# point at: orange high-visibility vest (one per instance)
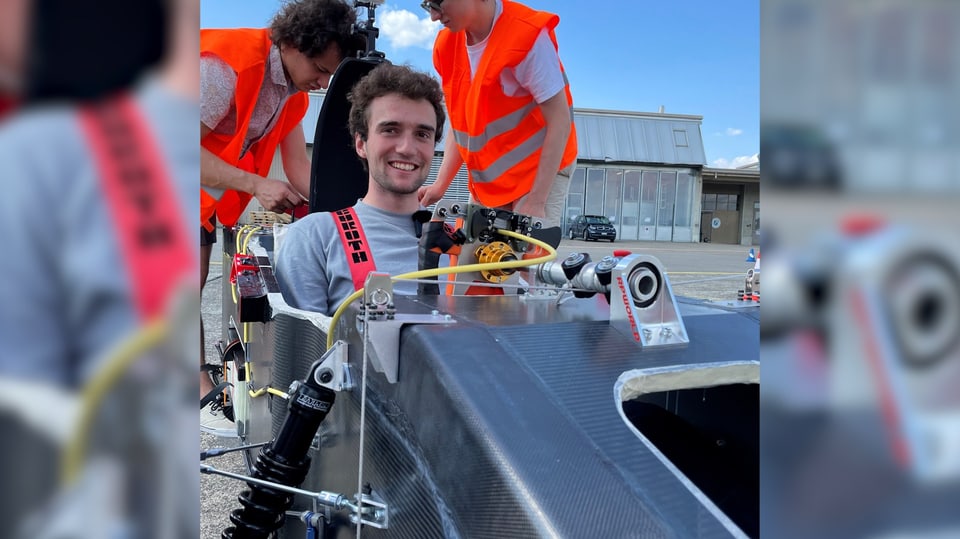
(245, 50)
(499, 137)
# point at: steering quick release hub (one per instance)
(495, 252)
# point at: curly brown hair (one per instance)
(314, 25)
(387, 79)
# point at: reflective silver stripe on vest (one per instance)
(510, 159)
(212, 191)
(494, 129)
(501, 125)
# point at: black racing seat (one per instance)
(337, 177)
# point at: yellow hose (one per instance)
(93, 392)
(551, 254)
(263, 390)
(242, 249)
(126, 353)
(239, 234)
(247, 240)
(277, 392)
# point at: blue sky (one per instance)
(697, 57)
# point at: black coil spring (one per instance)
(264, 508)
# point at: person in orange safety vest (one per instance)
(253, 96)
(509, 103)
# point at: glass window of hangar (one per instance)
(643, 204)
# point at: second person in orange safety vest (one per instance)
(509, 103)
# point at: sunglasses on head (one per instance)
(432, 6)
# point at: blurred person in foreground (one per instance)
(509, 104)
(253, 96)
(92, 371)
(396, 119)
(13, 41)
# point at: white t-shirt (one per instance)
(538, 74)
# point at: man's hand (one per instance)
(276, 195)
(528, 206)
(429, 194)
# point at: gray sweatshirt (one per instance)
(311, 263)
(67, 296)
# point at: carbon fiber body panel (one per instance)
(504, 424)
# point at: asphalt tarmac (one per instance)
(712, 272)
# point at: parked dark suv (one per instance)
(592, 227)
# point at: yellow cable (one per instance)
(277, 392)
(551, 255)
(266, 389)
(233, 289)
(249, 371)
(239, 234)
(338, 313)
(248, 238)
(128, 351)
(250, 230)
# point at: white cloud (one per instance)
(404, 29)
(732, 132)
(736, 161)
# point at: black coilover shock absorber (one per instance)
(284, 460)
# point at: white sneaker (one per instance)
(214, 422)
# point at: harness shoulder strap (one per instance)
(355, 245)
(141, 199)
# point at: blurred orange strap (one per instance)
(142, 201)
(7, 104)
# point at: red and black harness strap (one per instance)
(140, 196)
(355, 245)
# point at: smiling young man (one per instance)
(396, 119)
(253, 96)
